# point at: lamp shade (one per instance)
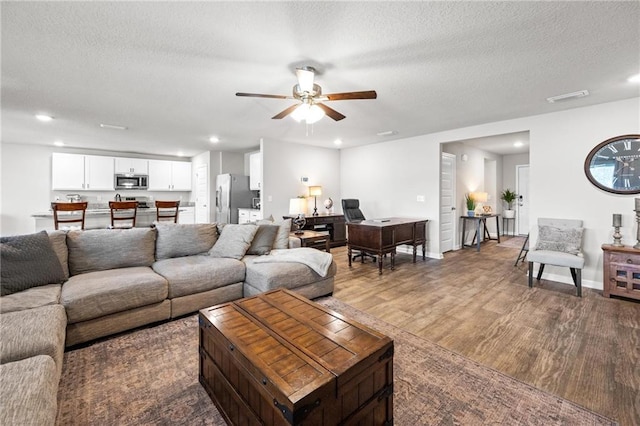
(297, 206)
(480, 197)
(314, 191)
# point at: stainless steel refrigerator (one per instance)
(232, 193)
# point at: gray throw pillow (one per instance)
(28, 261)
(178, 240)
(282, 237)
(263, 240)
(234, 241)
(566, 240)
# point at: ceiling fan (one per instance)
(311, 108)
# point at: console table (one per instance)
(621, 271)
(384, 235)
(333, 223)
(481, 229)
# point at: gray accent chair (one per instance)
(563, 248)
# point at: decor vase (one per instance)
(471, 213)
(509, 214)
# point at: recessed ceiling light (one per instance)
(58, 143)
(388, 133)
(338, 142)
(214, 139)
(112, 126)
(634, 79)
(180, 154)
(568, 96)
(44, 117)
(518, 144)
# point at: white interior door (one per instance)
(202, 194)
(447, 202)
(522, 207)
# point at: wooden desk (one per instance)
(379, 238)
(333, 223)
(319, 240)
(481, 225)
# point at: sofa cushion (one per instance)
(282, 237)
(96, 294)
(177, 240)
(268, 276)
(234, 241)
(102, 249)
(28, 394)
(59, 243)
(28, 261)
(39, 331)
(263, 240)
(195, 274)
(32, 298)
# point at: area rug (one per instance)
(512, 242)
(150, 377)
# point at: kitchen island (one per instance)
(100, 218)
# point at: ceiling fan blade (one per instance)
(286, 112)
(331, 112)
(259, 95)
(305, 78)
(369, 94)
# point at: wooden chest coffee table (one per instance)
(278, 359)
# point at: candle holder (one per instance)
(617, 237)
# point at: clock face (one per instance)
(614, 165)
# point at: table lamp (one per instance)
(314, 191)
(480, 198)
(298, 207)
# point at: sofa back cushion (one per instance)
(178, 240)
(102, 249)
(28, 261)
(58, 241)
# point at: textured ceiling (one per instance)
(168, 71)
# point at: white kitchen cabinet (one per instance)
(249, 215)
(187, 215)
(98, 173)
(136, 166)
(78, 172)
(169, 175)
(255, 171)
(67, 172)
(255, 215)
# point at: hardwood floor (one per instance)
(586, 350)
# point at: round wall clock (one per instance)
(614, 165)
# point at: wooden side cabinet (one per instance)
(621, 270)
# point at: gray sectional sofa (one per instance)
(110, 281)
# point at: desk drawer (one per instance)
(625, 258)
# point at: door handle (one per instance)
(453, 208)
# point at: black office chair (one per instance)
(352, 213)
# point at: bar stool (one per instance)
(123, 211)
(167, 210)
(69, 207)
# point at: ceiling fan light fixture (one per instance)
(305, 79)
(308, 113)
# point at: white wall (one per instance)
(26, 185)
(387, 176)
(509, 163)
(283, 164)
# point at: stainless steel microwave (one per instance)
(131, 181)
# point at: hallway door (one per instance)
(522, 189)
(202, 194)
(448, 216)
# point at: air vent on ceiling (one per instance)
(568, 96)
